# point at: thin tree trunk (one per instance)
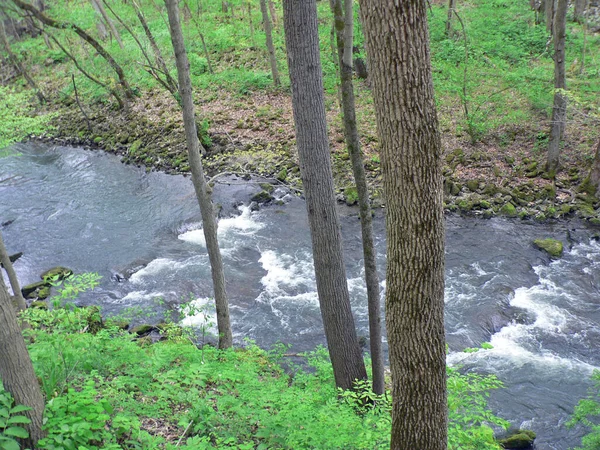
(16, 370)
(344, 22)
(411, 157)
(160, 61)
(12, 276)
(206, 207)
(549, 7)
(206, 54)
(559, 110)
(100, 26)
(302, 42)
(270, 46)
(273, 12)
(83, 35)
(595, 172)
(170, 86)
(18, 66)
(579, 10)
(451, 7)
(109, 22)
(251, 23)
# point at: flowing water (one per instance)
(141, 232)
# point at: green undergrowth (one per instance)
(110, 391)
(587, 413)
(17, 119)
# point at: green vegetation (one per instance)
(587, 413)
(17, 118)
(106, 389)
(551, 246)
(11, 421)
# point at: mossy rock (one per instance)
(43, 293)
(551, 246)
(94, 320)
(351, 195)
(521, 439)
(508, 210)
(141, 330)
(39, 305)
(473, 185)
(262, 197)
(282, 175)
(31, 291)
(267, 187)
(465, 205)
(56, 274)
(484, 204)
(117, 323)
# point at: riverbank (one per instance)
(254, 136)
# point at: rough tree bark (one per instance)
(549, 11)
(595, 172)
(83, 35)
(559, 110)
(302, 42)
(12, 276)
(451, 7)
(344, 24)
(194, 146)
(269, 37)
(16, 370)
(397, 40)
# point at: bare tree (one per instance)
(16, 370)
(397, 39)
(302, 42)
(98, 7)
(344, 24)
(451, 8)
(83, 35)
(270, 47)
(559, 110)
(200, 186)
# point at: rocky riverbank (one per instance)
(255, 136)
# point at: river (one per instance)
(87, 211)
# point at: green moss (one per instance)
(134, 148)
(351, 195)
(39, 305)
(282, 175)
(267, 187)
(465, 205)
(551, 246)
(473, 185)
(56, 274)
(142, 329)
(522, 439)
(508, 210)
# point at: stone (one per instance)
(39, 305)
(519, 439)
(31, 291)
(142, 330)
(56, 274)
(551, 246)
(262, 197)
(508, 210)
(473, 185)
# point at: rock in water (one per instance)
(551, 246)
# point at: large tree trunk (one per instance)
(397, 40)
(194, 146)
(12, 276)
(270, 47)
(16, 370)
(83, 35)
(344, 23)
(559, 111)
(302, 42)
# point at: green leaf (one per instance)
(17, 432)
(9, 445)
(19, 408)
(18, 419)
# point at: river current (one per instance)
(141, 232)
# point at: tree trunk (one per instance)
(251, 24)
(102, 31)
(273, 12)
(83, 35)
(16, 370)
(451, 7)
(344, 22)
(111, 25)
(595, 172)
(160, 61)
(549, 7)
(12, 276)
(411, 157)
(579, 10)
(559, 111)
(194, 146)
(270, 46)
(302, 42)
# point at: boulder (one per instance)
(518, 439)
(56, 274)
(551, 246)
(32, 291)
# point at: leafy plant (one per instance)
(11, 421)
(587, 413)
